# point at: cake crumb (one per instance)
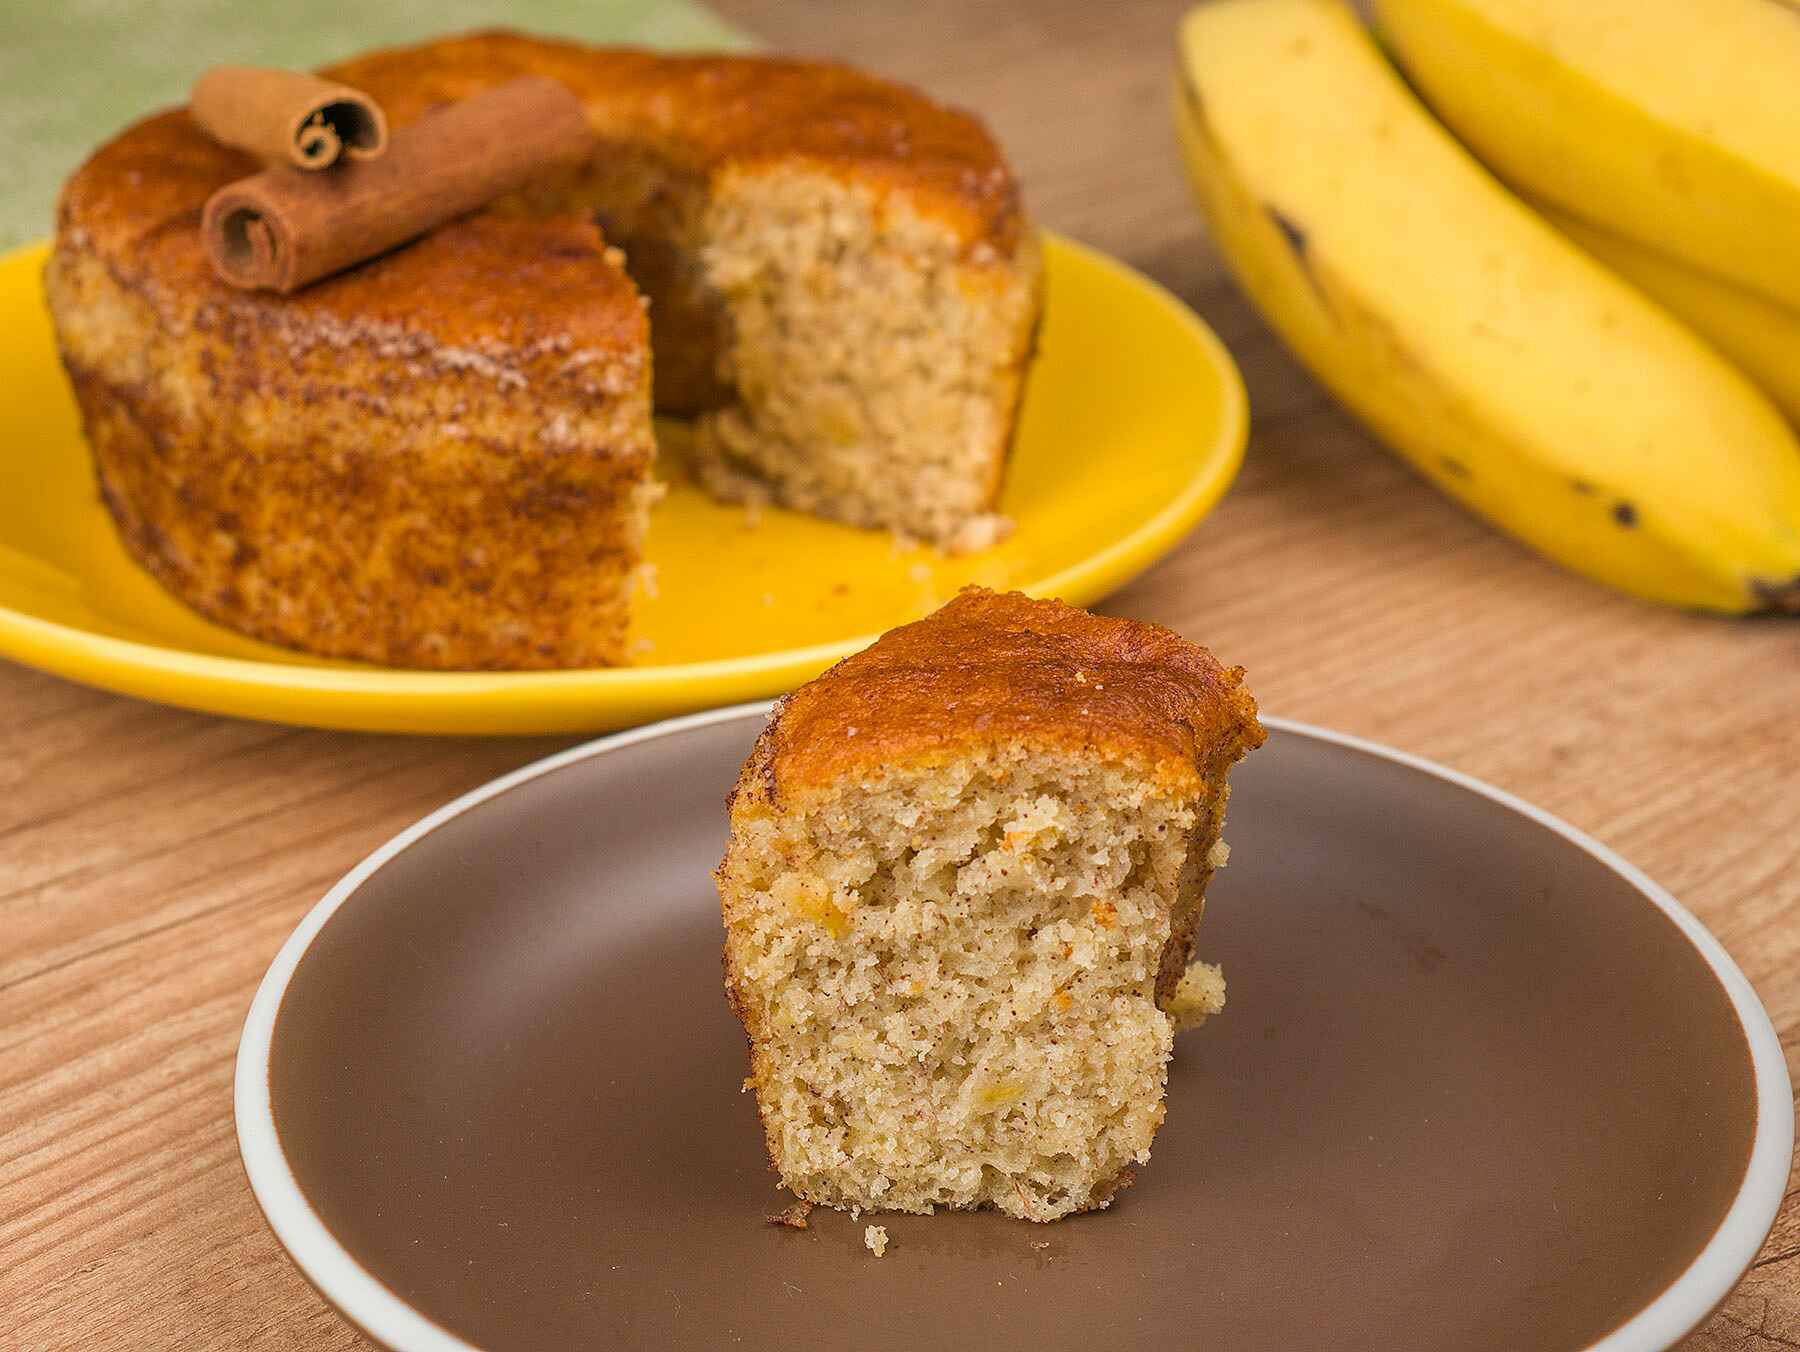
(1200, 995)
(793, 1217)
(978, 532)
(1219, 855)
(875, 1236)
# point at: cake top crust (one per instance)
(137, 200)
(994, 667)
(713, 112)
(484, 280)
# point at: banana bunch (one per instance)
(1527, 358)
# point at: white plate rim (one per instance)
(373, 1307)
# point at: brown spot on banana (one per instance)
(1292, 232)
(1625, 514)
(1781, 597)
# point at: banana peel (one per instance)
(1509, 368)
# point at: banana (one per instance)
(1513, 371)
(1761, 337)
(1672, 122)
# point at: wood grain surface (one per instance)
(151, 861)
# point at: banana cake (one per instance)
(960, 894)
(443, 457)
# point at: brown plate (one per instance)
(1480, 1084)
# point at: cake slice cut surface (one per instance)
(964, 872)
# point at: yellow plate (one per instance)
(1133, 426)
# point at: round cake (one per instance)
(443, 457)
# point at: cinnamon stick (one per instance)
(284, 115)
(283, 228)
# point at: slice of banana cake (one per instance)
(964, 871)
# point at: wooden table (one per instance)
(151, 861)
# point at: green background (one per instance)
(73, 72)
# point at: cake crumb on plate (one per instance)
(875, 1236)
(1199, 995)
(793, 1217)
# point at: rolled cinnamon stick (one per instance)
(286, 116)
(283, 228)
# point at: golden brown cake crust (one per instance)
(1000, 665)
(138, 198)
(715, 112)
(327, 477)
(136, 205)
